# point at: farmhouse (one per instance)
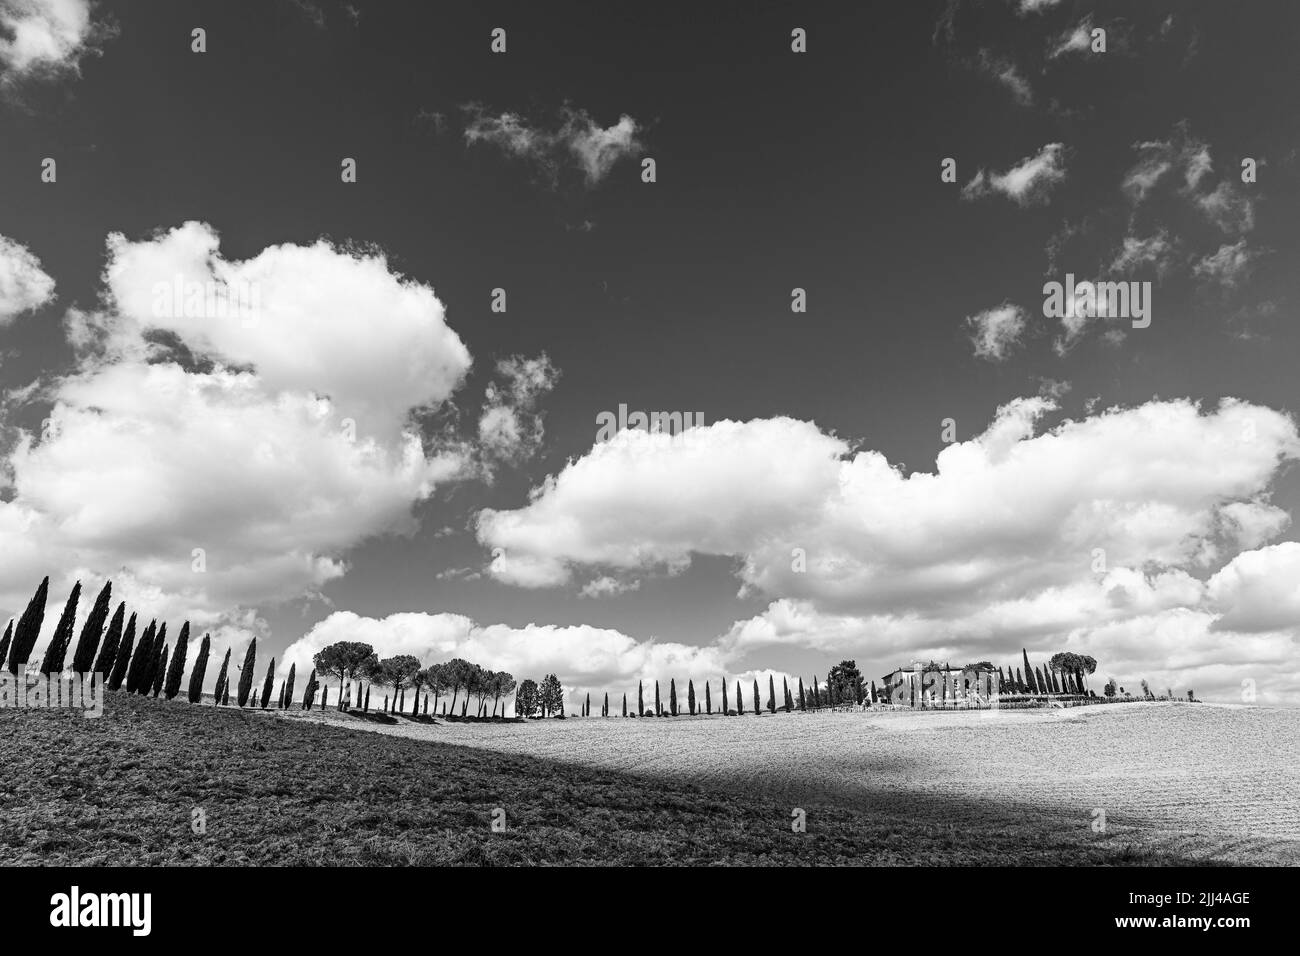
(942, 685)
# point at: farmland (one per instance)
(326, 788)
(1209, 782)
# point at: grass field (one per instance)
(122, 789)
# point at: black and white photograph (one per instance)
(669, 436)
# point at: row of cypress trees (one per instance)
(693, 707)
(144, 665)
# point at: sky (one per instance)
(824, 233)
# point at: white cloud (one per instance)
(510, 428)
(44, 36)
(579, 140)
(606, 586)
(1027, 183)
(1005, 514)
(1228, 266)
(232, 439)
(1009, 75)
(23, 284)
(997, 331)
(1230, 209)
(1259, 590)
(1035, 6)
(1076, 39)
(1156, 250)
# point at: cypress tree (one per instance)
(1056, 684)
(150, 675)
(624, 703)
(1020, 681)
(740, 700)
(874, 699)
(724, 697)
(246, 673)
(122, 660)
(155, 671)
(160, 673)
(4, 641)
(803, 705)
(288, 686)
(222, 693)
(268, 683)
(365, 708)
(708, 701)
(176, 670)
(279, 703)
(672, 696)
(309, 692)
(771, 695)
(588, 713)
(28, 628)
(785, 695)
(195, 692)
(658, 709)
(1029, 672)
(605, 709)
(758, 701)
(91, 631)
(141, 658)
(690, 696)
(324, 697)
(1039, 682)
(108, 649)
(1002, 682)
(52, 663)
(640, 698)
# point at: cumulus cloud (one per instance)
(578, 141)
(211, 464)
(996, 331)
(1004, 514)
(45, 37)
(510, 428)
(585, 659)
(1259, 590)
(1027, 183)
(23, 284)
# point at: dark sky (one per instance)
(775, 170)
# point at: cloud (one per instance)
(1027, 183)
(274, 447)
(1005, 514)
(606, 586)
(584, 658)
(997, 331)
(1155, 250)
(1024, 7)
(1259, 590)
(1186, 161)
(1009, 75)
(1228, 266)
(510, 428)
(1076, 39)
(579, 141)
(23, 284)
(45, 37)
